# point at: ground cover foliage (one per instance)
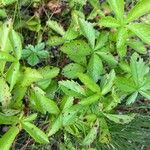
(74, 74)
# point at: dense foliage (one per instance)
(74, 74)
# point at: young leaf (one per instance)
(12, 74)
(109, 22)
(95, 67)
(8, 138)
(56, 27)
(141, 8)
(122, 119)
(92, 134)
(71, 70)
(141, 30)
(16, 43)
(37, 134)
(88, 82)
(118, 7)
(88, 31)
(72, 88)
(145, 94)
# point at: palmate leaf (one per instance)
(72, 88)
(37, 134)
(141, 8)
(8, 138)
(95, 67)
(117, 7)
(88, 31)
(141, 30)
(91, 136)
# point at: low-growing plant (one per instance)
(81, 97)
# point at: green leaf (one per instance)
(107, 57)
(55, 125)
(121, 37)
(76, 48)
(30, 118)
(29, 76)
(12, 74)
(105, 136)
(145, 94)
(6, 57)
(72, 88)
(7, 2)
(90, 100)
(125, 84)
(56, 27)
(44, 102)
(71, 70)
(48, 72)
(138, 74)
(109, 22)
(121, 119)
(16, 43)
(33, 59)
(95, 67)
(108, 82)
(8, 138)
(4, 119)
(141, 8)
(70, 115)
(37, 134)
(132, 98)
(88, 31)
(91, 136)
(101, 40)
(88, 82)
(55, 40)
(141, 30)
(5, 95)
(138, 46)
(117, 7)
